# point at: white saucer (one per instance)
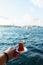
(25, 50)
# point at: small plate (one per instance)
(25, 50)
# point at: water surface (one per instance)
(33, 40)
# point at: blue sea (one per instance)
(32, 37)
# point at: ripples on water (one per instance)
(33, 40)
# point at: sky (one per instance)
(21, 12)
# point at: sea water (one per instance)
(32, 37)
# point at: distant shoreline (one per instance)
(19, 26)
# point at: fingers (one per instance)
(12, 52)
(16, 55)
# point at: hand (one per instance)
(12, 53)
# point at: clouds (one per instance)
(25, 20)
(38, 3)
(4, 21)
(30, 20)
(22, 14)
(22, 21)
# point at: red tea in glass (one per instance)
(21, 46)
